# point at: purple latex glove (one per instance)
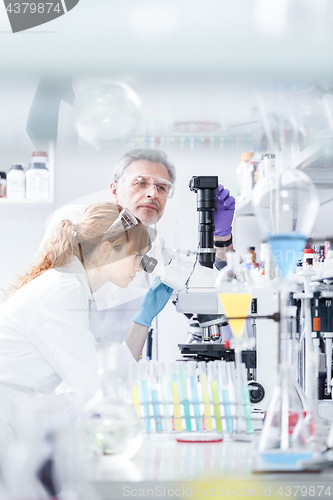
(225, 208)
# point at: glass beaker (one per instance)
(109, 426)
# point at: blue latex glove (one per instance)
(225, 208)
(153, 302)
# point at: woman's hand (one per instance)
(153, 302)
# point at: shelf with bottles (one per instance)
(40, 185)
(191, 142)
(316, 160)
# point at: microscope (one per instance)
(198, 301)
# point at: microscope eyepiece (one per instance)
(148, 264)
(203, 182)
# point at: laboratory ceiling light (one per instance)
(153, 20)
(271, 16)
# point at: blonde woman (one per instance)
(44, 325)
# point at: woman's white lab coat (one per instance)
(45, 338)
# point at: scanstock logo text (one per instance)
(25, 15)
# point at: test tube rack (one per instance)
(191, 397)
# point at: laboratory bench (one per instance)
(166, 468)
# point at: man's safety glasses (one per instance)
(123, 222)
(144, 183)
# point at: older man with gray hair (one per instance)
(143, 181)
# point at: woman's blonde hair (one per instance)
(70, 240)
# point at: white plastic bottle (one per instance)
(242, 175)
(37, 180)
(257, 159)
(39, 157)
(16, 182)
(3, 185)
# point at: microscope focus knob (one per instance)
(256, 391)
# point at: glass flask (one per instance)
(286, 204)
(109, 426)
(289, 423)
(107, 114)
(234, 290)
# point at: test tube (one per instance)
(166, 397)
(230, 371)
(175, 396)
(246, 401)
(205, 396)
(213, 379)
(153, 382)
(143, 382)
(191, 370)
(185, 399)
(235, 374)
(223, 383)
(133, 378)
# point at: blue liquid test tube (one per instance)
(195, 398)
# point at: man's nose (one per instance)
(152, 191)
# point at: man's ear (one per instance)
(113, 191)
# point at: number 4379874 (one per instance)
(33, 8)
(308, 491)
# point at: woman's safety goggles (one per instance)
(123, 222)
(144, 184)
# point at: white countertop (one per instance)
(162, 462)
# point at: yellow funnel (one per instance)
(236, 305)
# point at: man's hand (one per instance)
(225, 208)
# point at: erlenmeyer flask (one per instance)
(288, 425)
(109, 426)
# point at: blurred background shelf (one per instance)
(6, 201)
(316, 161)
